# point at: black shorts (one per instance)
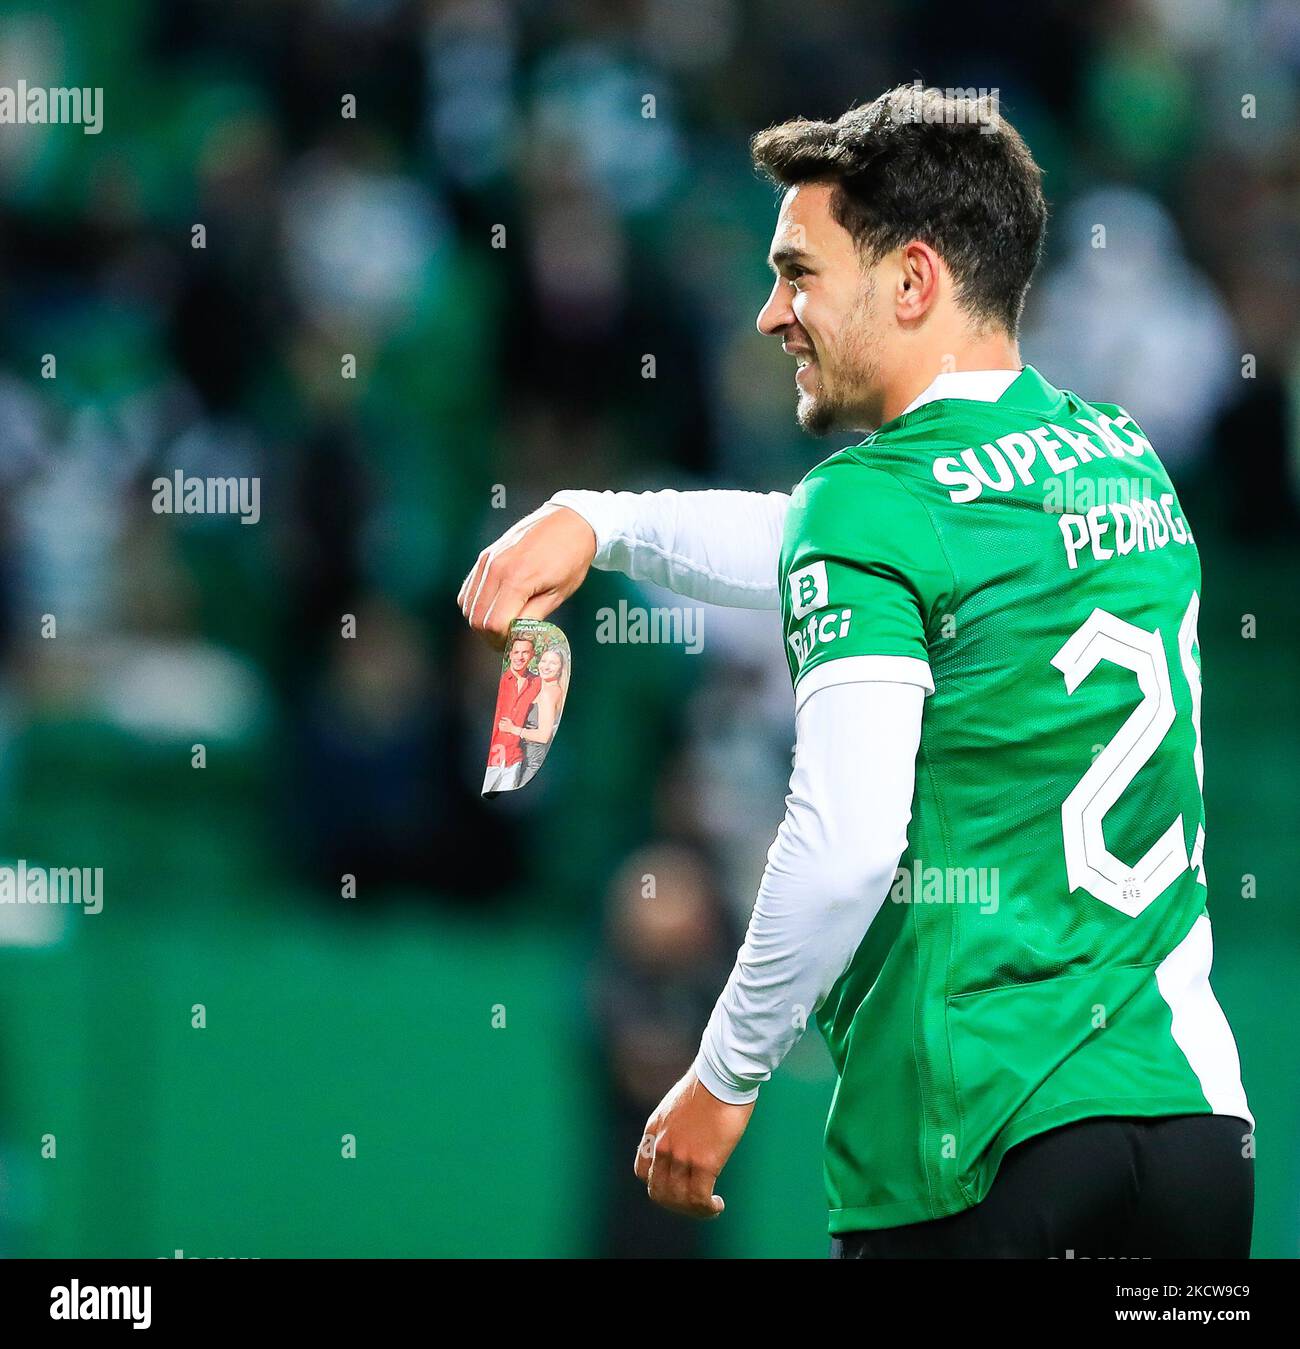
(1176, 1186)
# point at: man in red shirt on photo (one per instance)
(516, 694)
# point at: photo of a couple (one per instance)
(530, 699)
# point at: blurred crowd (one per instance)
(501, 210)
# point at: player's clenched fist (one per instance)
(685, 1144)
(529, 571)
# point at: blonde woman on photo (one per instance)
(544, 713)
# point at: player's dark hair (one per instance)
(919, 164)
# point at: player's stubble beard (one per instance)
(845, 375)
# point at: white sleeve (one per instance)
(719, 547)
(828, 873)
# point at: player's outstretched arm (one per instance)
(715, 546)
(719, 547)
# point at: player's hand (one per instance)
(529, 571)
(686, 1142)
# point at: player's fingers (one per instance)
(470, 584)
(660, 1178)
(540, 605)
(495, 615)
(480, 587)
(645, 1152)
(486, 595)
(703, 1202)
(670, 1185)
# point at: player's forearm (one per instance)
(827, 876)
(719, 547)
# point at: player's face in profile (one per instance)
(822, 307)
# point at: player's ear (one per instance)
(918, 280)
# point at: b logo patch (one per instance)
(808, 589)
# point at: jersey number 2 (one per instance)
(1089, 864)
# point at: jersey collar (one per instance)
(975, 386)
(1017, 388)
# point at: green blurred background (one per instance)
(493, 1013)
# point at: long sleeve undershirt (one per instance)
(828, 874)
(718, 547)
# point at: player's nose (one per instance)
(776, 314)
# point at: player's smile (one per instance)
(804, 360)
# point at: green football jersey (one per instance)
(1043, 955)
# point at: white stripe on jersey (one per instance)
(1200, 1029)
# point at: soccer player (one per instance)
(989, 887)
